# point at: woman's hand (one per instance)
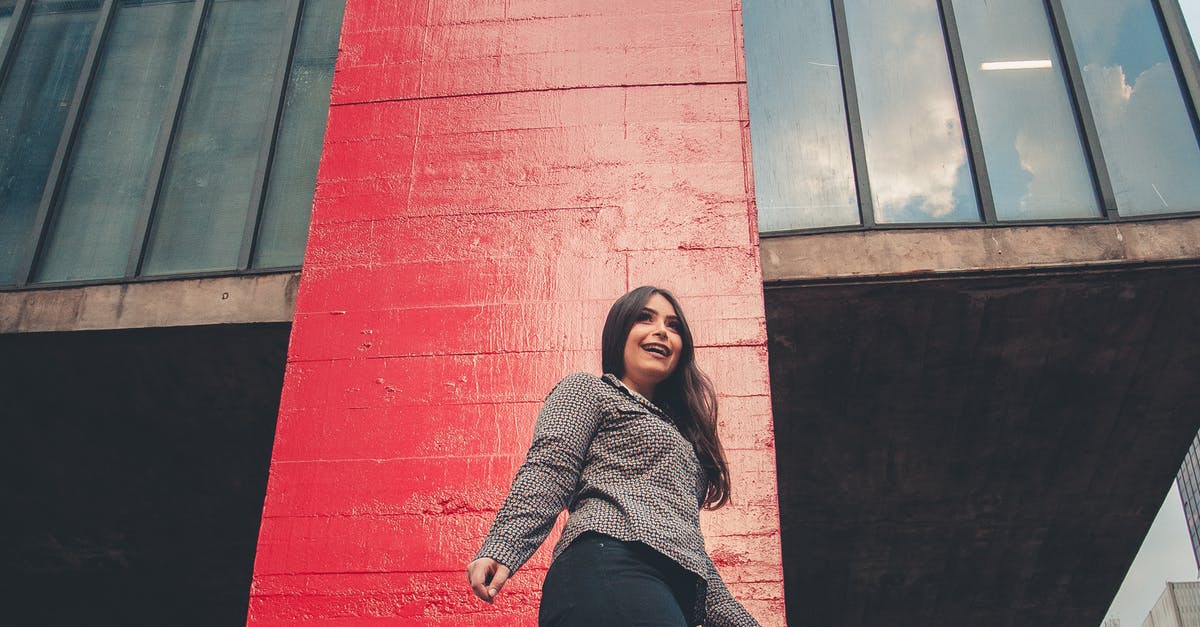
(487, 577)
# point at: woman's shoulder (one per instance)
(583, 385)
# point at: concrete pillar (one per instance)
(495, 173)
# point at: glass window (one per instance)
(105, 185)
(33, 108)
(916, 158)
(6, 12)
(1145, 129)
(803, 173)
(1031, 141)
(210, 176)
(293, 177)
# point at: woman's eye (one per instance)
(674, 325)
(645, 316)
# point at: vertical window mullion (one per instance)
(858, 151)
(966, 110)
(1182, 52)
(270, 134)
(1083, 110)
(185, 63)
(9, 44)
(87, 75)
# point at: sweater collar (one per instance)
(612, 380)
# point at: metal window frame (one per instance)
(51, 189)
(966, 112)
(184, 67)
(858, 151)
(266, 155)
(1181, 51)
(177, 93)
(1081, 107)
(12, 38)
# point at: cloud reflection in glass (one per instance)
(1145, 129)
(915, 152)
(1031, 141)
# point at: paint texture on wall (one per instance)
(495, 173)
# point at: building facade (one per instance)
(1189, 495)
(1179, 606)
(941, 257)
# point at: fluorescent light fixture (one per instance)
(1035, 64)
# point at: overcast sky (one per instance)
(1166, 554)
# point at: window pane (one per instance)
(6, 11)
(33, 108)
(916, 158)
(210, 172)
(1031, 141)
(105, 187)
(288, 205)
(803, 174)
(1145, 130)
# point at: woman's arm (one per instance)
(545, 482)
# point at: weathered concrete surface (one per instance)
(986, 450)
(495, 173)
(824, 256)
(169, 303)
(134, 465)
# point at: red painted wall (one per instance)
(495, 173)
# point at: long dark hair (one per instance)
(687, 394)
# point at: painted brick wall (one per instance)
(495, 173)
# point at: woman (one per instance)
(633, 455)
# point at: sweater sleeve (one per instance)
(720, 608)
(546, 481)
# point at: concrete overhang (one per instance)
(977, 426)
(257, 298)
(907, 252)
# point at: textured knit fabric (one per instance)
(619, 465)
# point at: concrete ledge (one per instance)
(948, 250)
(185, 302)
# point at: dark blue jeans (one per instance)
(604, 582)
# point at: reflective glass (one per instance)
(1031, 140)
(803, 173)
(33, 108)
(105, 186)
(210, 174)
(293, 177)
(6, 11)
(916, 157)
(1145, 130)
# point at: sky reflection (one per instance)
(916, 156)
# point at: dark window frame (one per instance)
(185, 67)
(1180, 49)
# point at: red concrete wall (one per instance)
(495, 173)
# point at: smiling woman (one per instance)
(633, 455)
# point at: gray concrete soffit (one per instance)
(900, 253)
(168, 303)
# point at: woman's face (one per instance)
(653, 345)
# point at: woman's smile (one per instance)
(652, 347)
